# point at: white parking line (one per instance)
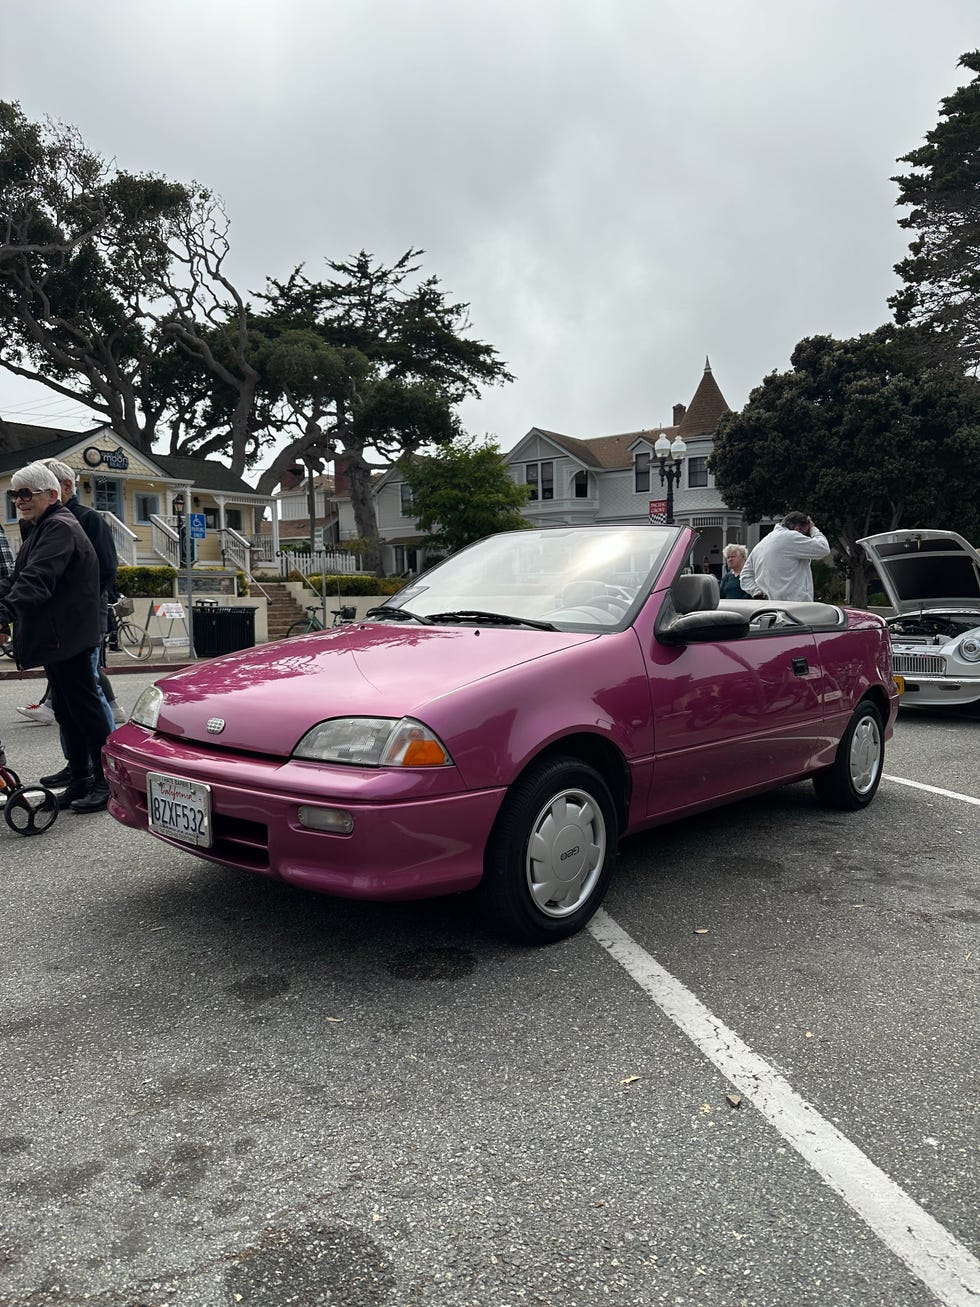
(932, 789)
(929, 1251)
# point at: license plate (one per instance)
(179, 809)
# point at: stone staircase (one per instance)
(282, 609)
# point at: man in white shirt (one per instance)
(779, 566)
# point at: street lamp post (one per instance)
(184, 565)
(671, 458)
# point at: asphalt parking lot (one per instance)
(752, 1082)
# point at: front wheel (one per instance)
(551, 852)
(133, 640)
(851, 782)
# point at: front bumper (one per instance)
(402, 846)
(939, 691)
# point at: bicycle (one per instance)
(131, 639)
(311, 622)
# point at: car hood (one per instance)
(925, 569)
(269, 697)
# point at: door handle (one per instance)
(801, 667)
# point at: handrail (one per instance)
(122, 537)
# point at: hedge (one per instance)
(351, 583)
(145, 582)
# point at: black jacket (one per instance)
(95, 527)
(52, 598)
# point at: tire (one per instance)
(551, 852)
(852, 781)
(299, 628)
(133, 640)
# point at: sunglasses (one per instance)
(23, 495)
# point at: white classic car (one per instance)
(932, 579)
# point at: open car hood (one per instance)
(925, 569)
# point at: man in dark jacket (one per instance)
(52, 598)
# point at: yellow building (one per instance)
(147, 499)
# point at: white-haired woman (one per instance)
(52, 600)
(734, 556)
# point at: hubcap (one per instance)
(565, 853)
(865, 756)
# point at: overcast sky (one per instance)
(617, 187)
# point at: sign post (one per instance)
(195, 529)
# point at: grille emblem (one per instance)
(216, 725)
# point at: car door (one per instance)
(732, 716)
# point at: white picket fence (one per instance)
(326, 560)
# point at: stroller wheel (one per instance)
(9, 781)
(30, 810)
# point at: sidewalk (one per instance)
(119, 664)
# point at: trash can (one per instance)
(205, 627)
(222, 630)
(236, 629)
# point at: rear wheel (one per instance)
(299, 628)
(852, 781)
(550, 856)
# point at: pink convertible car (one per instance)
(501, 722)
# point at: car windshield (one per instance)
(579, 578)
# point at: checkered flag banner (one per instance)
(658, 512)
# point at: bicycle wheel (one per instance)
(133, 640)
(300, 628)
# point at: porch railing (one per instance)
(164, 539)
(124, 539)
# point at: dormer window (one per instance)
(580, 485)
(641, 470)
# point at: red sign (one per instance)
(658, 512)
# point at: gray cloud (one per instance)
(618, 187)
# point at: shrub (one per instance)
(145, 582)
(352, 584)
(828, 583)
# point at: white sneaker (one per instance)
(39, 713)
(118, 713)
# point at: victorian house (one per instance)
(601, 480)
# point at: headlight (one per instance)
(148, 707)
(373, 742)
(970, 649)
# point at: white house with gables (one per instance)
(604, 479)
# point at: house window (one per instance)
(233, 518)
(210, 519)
(641, 471)
(11, 514)
(697, 472)
(145, 506)
(541, 478)
(405, 490)
(581, 485)
(108, 496)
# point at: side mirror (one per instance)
(704, 627)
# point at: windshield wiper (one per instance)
(400, 614)
(490, 619)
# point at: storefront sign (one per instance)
(113, 458)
